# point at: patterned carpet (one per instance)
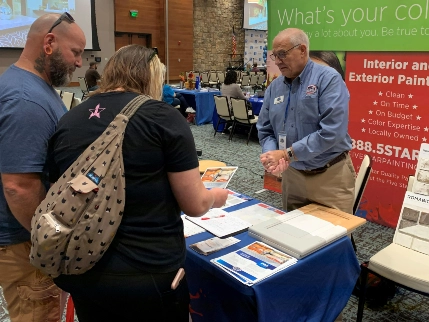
(405, 306)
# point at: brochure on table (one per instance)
(235, 198)
(254, 262)
(421, 181)
(209, 246)
(412, 230)
(257, 213)
(218, 177)
(220, 223)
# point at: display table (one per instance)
(202, 102)
(317, 288)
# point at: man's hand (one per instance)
(281, 167)
(274, 161)
(271, 159)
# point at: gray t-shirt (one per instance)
(29, 112)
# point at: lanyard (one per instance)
(287, 106)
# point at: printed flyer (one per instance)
(254, 262)
(218, 177)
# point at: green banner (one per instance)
(354, 25)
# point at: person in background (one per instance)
(29, 111)
(172, 98)
(230, 88)
(255, 68)
(327, 58)
(133, 278)
(308, 110)
(92, 76)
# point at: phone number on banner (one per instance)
(385, 149)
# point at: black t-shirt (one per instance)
(157, 140)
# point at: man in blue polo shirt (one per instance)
(29, 111)
(303, 126)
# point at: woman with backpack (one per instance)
(133, 279)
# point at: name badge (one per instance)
(279, 99)
(282, 140)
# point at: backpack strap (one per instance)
(134, 105)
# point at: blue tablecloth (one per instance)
(256, 104)
(215, 119)
(317, 288)
(256, 108)
(202, 102)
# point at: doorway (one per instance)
(125, 38)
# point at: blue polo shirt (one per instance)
(29, 111)
(313, 110)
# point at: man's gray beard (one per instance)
(59, 70)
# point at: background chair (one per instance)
(213, 79)
(361, 180)
(238, 77)
(245, 80)
(204, 79)
(223, 111)
(76, 101)
(220, 77)
(254, 79)
(407, 268)
(261, 81)
(60, 92)
(68, 99)
(83, 86)
(241, 115)
(360, 185)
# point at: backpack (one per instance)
(76, 222)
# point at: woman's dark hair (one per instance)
(230, 78)
(329, 58)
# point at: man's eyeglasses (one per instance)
(282, 54)
(65, 16)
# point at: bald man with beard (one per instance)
(30, 109)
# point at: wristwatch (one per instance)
(290, 154)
